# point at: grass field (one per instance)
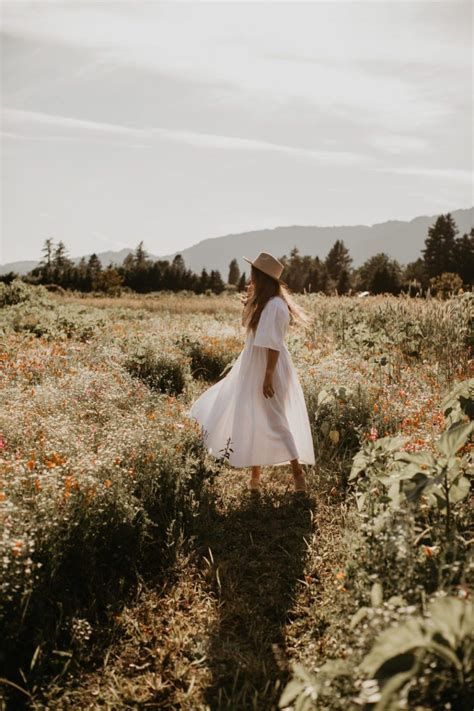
(138, 572)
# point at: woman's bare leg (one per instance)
(298, 475)
(255, 478)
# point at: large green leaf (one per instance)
(392, 686)
(418, 458)
(453, 439)
(459, 490)
(290, 692)
(452, 617)
(393, 642)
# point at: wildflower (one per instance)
(373, 434)
(2, 442)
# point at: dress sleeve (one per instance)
(272, 325)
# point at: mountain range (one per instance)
(401, 240)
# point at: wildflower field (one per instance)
(139, 572)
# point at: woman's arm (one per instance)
(272, 357)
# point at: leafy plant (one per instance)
(210, 359)
(441, 478)
(403, 651)
(459, 403)
(163, 372)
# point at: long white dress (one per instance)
(238, 422)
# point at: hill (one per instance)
(401, 240)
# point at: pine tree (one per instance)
(380, 274)
(344, 282)
(464, 257)
(61, 259)
(216, 283)
(140, 256)
(203, 281)
(440, 246)
(62, 266)
(338, 260)
(178, 263)
(47, 252)
(94, 269)
(415, 276)
(242, 282)
(234, 273)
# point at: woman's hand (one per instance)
(248, 294)
(268, 390)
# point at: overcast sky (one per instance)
(172, 122)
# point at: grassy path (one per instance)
(241, 605)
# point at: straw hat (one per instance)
(268, 264)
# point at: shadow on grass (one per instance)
(257, 554)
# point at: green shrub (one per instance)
(166, 373)
(18, 292)
(209, 360)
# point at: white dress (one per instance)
(236, 418)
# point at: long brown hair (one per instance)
(264, 287)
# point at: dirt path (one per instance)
(243, 600)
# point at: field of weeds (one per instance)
(138, 572)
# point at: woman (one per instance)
(256, 415)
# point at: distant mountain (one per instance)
(400, 240)
(105, 257)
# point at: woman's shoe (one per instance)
(300, 488)
(254, 486)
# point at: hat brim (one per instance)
(280, 280)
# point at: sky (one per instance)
(173, 122)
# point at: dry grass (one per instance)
(159, 302)
(256, 584)
(221, 633)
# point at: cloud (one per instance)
(149, 135)
(328, 55)
(455, 174)
(397, 143)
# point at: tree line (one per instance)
(446, 264)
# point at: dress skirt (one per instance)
(238, 422)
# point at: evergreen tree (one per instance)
(344, 282)
(47, 251)
(440, 246)
(178, 263)
(129, 262)
(379, 275)
(62, 267)
(464, 257)
(79, 276)
(141, 258)
(94, 269)
(242, 282)
(203, 281)
(61, 260)
(234, 273)
(415, 272)
(338, 260)
(216, 283)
